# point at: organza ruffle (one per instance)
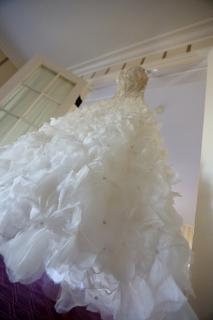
(88, 199)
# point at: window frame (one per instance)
(79, 89)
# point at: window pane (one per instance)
(16, 131)
(10, 96)
(40, 78)
(41, 111)
(6, 123)
(60, 89)
(2, 115)
(48, 112)
(20, 101)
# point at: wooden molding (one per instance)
(159, 44)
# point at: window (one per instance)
(37, 92)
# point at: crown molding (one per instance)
(185, 35)
(182, 63)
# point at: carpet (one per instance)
(28, 302)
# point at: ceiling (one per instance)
(72, 32)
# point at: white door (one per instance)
(38, 91)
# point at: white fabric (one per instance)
(88, 199)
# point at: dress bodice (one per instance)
(132, 82)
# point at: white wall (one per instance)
(203, 240)
(183, 98)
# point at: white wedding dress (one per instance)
(88, 199)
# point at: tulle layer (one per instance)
(88, 199)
